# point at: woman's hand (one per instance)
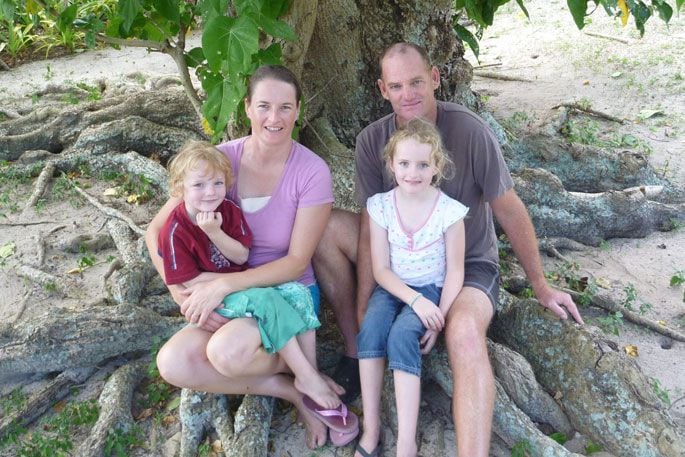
(202, 299)
(430, 315)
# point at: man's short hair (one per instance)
(404, 47)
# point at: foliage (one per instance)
(156, 390)
(678, 278)
(660, 391)
(482, 13)
(119, 442)
(612, 323)
(231, 37)
(521, 449)
(559, 437)
(53, 437)
(592, 447)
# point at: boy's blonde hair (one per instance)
(423, 132)
(188, 158)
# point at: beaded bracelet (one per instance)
(411, 303)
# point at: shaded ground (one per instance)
(565, 65)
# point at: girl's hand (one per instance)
(430, 315)
(428, 341)
(209, 222)
(214, 322)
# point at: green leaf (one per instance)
(679, 4)
(523, 8)
(7, 8)
(474, 12)
(128, 10)
(7, 250)
(276, 28)
(230, 40)
(467, 37)
(66, 18)
(168, 9)
(578, 9)
(641, 14)
(173, 404)
(664, 9)
(247, 6)
(268, 56)
(275, 8)
(647, 113)
(194, 57)
(616, 74)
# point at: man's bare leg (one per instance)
(333, 262)
(474, 384)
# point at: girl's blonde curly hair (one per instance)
(191, 154)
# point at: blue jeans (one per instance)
(391, 329)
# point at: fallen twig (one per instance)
(607, 37)
(22, 308)
(114, 266)
(25, 224)
(493, 75)
(487, 65)
(608, 304)
(110, 211)
(588, 110)
(41, 184)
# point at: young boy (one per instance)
(207, 234)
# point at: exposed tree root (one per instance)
(604, 393)
(115, 408)
(61, 339)
(9, 113)
(591, 218)
(46, 280)
(40, 401)
(607, 303)
(40, 184)
(61, 128)
(25, 224)
(518, 380)
(111, 212)
(509, 422)
(201, 412)
(251, 428)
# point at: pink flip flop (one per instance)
(340, 439)
(339, 420)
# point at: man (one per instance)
(481, 182)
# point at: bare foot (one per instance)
(368, 442)
(316, 432)
(337, 388)
(318, 390)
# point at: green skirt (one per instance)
(281, 312)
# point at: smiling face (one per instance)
(203, 189)
(272, 109)
(413, 166)
(408, 83)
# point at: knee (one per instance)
(341, 234)
(173, 365)
(465, 337)
(229, 360)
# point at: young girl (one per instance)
(207, 234)
(417, 254)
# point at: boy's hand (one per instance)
(209, 222)
(430, 315)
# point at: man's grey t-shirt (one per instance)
(480, 173)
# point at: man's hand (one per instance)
(559, 303)
(209, 222)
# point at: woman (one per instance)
(285, 191)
